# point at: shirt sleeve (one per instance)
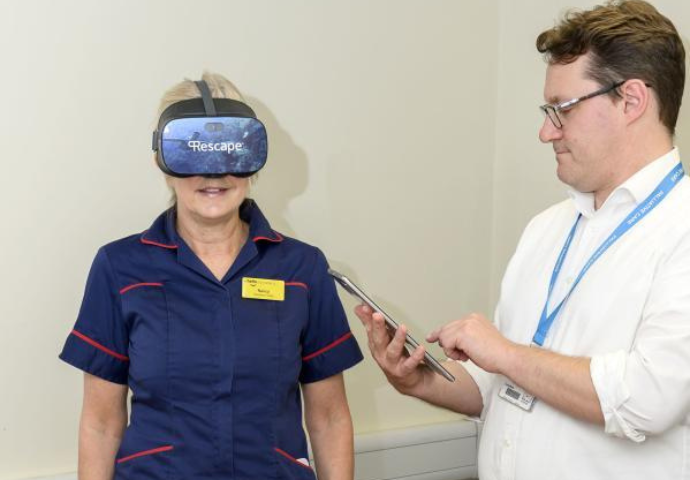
(646, 391)
(484, 381)
(98, 343)
(328, 346)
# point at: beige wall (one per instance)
(380, 116)
(403, 143)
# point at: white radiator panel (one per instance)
(446, 451)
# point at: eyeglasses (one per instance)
(551, 110)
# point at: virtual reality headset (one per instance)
(210, 137)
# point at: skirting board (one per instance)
(443, 451)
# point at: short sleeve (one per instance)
(99, 341)
(328, 346)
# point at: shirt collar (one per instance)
(634, 189)
(163, 233)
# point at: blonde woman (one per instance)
(213, 320)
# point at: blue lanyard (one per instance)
(646, 206)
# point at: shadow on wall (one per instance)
(284, 178)
(286, 173)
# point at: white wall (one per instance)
(381, 120)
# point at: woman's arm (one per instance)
(330, 428)
(103, 422)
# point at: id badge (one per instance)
(263, 289)
(517, 396)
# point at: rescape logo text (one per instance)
(198, 146)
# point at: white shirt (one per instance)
(630, 314)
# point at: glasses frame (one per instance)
(550, 110)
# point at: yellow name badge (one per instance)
(263, 289)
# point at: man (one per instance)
(585, 371)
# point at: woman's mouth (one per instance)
(212, 191)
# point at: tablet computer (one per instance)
(357, 292)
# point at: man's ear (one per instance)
(636, 99)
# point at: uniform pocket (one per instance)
(139, 457)
(144, 453)
(292, 467)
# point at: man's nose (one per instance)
(549, 132)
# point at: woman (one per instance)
(214, 321)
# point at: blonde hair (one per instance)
(220, 87)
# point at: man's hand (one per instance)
(403, 371)
(474, 337)
(409, 376)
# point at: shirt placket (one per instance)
(508, 443)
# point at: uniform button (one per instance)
(506, 443)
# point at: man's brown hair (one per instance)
(625, 39)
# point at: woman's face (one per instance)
(209, 199)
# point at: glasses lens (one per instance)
(214, 145)
(550, 112)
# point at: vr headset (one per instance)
(210, 137)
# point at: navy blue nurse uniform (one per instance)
(214, 376)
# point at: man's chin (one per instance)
(564, 175)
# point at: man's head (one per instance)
(624, 64)
(624, 40)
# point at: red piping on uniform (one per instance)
(279, 238)
(297, 284)
(151, 242)
(100, 347)
(327, 347)
(145, 452)
(291, 458)
(143, 284)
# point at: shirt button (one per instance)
(506, 443)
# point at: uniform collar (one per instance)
(163, 233)
(633, 190)
(260, 230)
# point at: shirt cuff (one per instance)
(484, 381)
(608, 376)
(331, 360)
(94, 360)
